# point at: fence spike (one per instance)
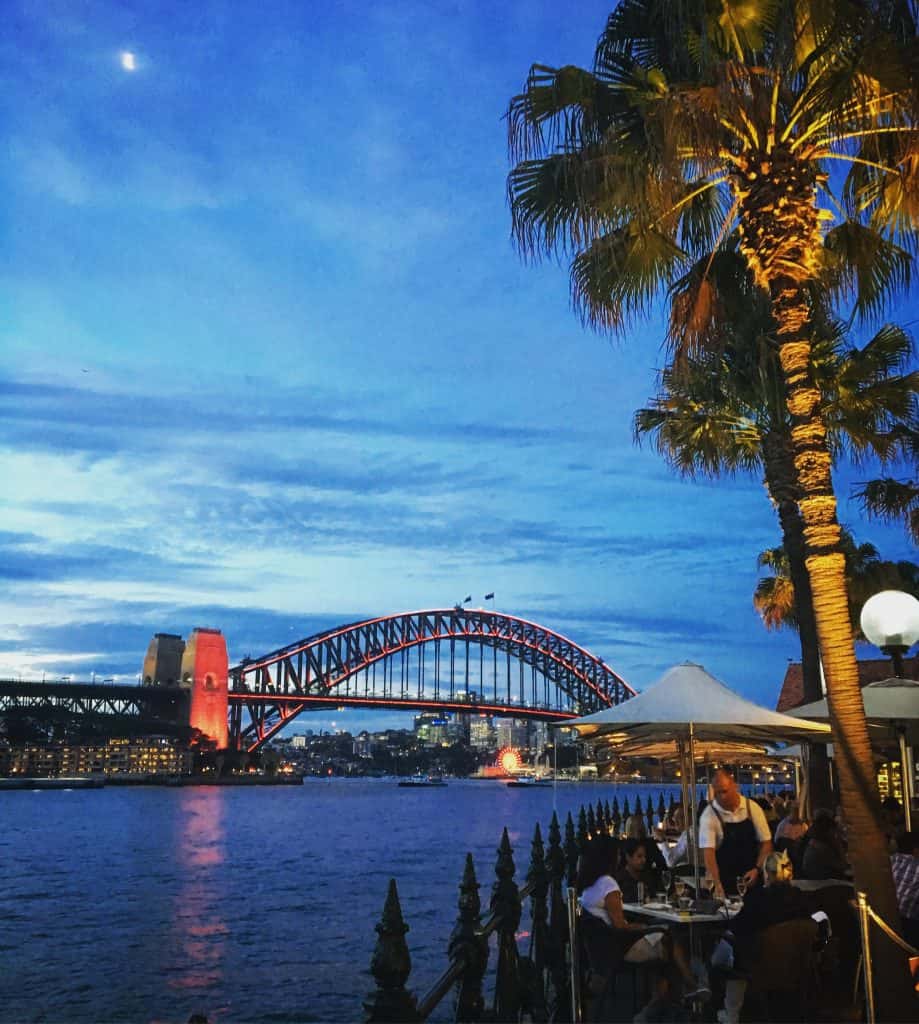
(505, 902)
(468, 944)
(390, 966)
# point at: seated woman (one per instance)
(824, 855)
(775, 901)
(601, 896)
(633, 870)
(655, 863)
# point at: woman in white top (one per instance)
(602, 898)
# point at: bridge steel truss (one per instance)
(166, 702)
(427, 660)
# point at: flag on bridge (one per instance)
(490, 597)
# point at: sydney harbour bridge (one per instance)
(468, 661)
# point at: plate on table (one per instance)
(657, 906)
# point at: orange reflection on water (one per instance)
(199, 929)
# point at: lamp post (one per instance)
(890, 620)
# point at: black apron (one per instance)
(738, 850)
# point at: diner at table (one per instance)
(740, 949)
(824, 851)
(904, 865)
(601, 897)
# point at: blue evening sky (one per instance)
(271, 363)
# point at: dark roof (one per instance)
(870, 670)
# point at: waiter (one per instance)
(734, 836)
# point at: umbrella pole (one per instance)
(684, 792)
(906, 780)
(695, 824)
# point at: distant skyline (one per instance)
(270, 362)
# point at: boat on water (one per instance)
(421, 782)
(57, 782)
(528, 782)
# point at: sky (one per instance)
(271, 363)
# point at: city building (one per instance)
(152, 755)
(513, 732)
(363, 745)
(432, 729)
(481, 732)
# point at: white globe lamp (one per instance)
(890, 620)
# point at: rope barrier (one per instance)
(865, 916)
(891, 934)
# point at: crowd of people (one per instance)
(750, 848)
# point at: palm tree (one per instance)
(701, 119)
(866, 574)
(724, 412)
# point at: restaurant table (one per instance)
(665, 913)
(703, 928)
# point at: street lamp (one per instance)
(890, 620)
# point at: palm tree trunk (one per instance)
(780, 237)
(826, 569)
(782, 484)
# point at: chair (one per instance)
(782, 970)
(602, 963)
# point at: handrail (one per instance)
(441, 987)
(454, 971)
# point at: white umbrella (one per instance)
(687, 705)
(892, 704)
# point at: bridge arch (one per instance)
(356, 665)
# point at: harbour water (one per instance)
(150, 904)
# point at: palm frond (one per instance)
(865, 268)
(774, 600)
(892, 500)
(620, 273)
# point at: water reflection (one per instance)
(199, 930)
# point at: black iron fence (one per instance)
(534, 985)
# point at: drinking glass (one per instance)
(741, 886)
(679, 887)
(706, 883)
(666, 878)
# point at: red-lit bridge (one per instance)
(454, 660)
(458, 660)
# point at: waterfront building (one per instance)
(298, 742)
(151, 755)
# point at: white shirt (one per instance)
(593, 898)
(711, 833)
(678, 854)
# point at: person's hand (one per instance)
(751, 877)
(718, 890)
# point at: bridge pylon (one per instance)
(205, 672)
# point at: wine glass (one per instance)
(741, 886)
(666, 878)
(706, 884)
